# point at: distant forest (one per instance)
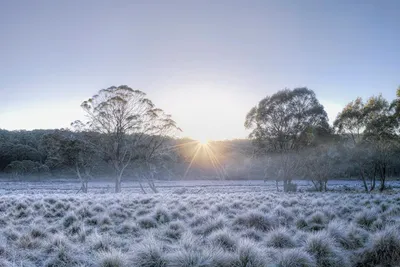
(127, 138)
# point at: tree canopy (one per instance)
(286, 120)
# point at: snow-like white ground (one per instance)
(189, 186)
(197, 224)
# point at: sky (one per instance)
(204, 62)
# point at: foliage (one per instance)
(286, 120)
(371, 129)
(131, 127)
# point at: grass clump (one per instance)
(224, 240)
(296, 258)
(69, 219)
(149, 254)
(112, 258)
(324, 249)
(366, 219)
(382, 250)
(191, 258)
(280, 238)
(147, 223)
(257, 221)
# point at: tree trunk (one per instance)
(85, 187)
(141, 187)
(383, 178)
(84, 182)
(315, 184)
(364, 181)
(277, 185)
(118, 184)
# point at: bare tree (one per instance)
(283, 167)
(320, 165)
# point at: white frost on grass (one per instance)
(207, 229)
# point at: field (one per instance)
(239, 224)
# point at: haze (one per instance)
(205, 62)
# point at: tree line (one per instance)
(125, 135)
(293, 139)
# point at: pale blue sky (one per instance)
(205, 62)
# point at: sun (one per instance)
(203, 141)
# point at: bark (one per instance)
(118, 184)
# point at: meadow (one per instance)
(213, 224)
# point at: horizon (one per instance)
(207, 64)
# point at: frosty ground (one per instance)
(220, 223)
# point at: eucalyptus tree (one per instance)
(69, 150)
(320, 164)
(130, 126)
(371, 131)
(286, 121)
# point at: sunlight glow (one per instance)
(203, 141)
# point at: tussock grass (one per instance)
(257, 221)
(113, 258)
(200, 228)
(382, 250)
(296, 258)
(280, 238)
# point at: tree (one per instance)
(286, 121)
(283, 167)
(369, 127)
(72, 151)
(320, 164)
(26, 167)
(129, 124)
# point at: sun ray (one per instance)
(198, 147)
(214, 160)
